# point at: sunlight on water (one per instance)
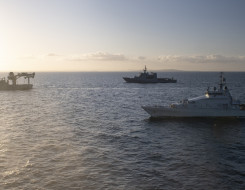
(88, 131)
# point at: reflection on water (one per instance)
(88, 131)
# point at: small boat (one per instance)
(214, 103)
(11, 82)
(146, 77)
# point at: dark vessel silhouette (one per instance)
(146, 77)
(11, 82)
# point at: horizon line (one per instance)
(82, 71)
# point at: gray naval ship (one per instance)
(11, 82)
(146, 77)
(214, 103)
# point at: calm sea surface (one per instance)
(88, 131)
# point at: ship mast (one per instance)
(222, 81)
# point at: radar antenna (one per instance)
(222, 81)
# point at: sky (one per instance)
(122, 35)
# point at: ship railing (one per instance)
(236, 102)
(173, 106)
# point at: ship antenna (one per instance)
(145, 69)
(222, 80)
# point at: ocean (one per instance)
(88, 131)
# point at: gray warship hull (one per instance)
(146, 77)
(158, 80)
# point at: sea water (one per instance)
(88, 131)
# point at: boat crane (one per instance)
(14, 77)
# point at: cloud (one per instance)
(141, 58)
(167, 59)
(52, 55)
(199, 59)
(99, 56)
(39, 56)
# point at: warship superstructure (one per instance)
(147, 77)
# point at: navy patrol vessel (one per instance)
(214, 103)
(146, 77)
